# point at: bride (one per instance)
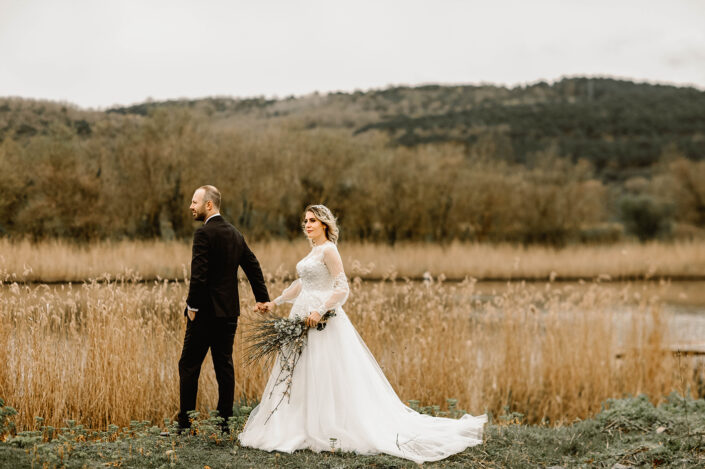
(339, 397)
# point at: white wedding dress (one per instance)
(339, 396)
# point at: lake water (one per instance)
(684, 301)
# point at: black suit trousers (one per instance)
(203, 333)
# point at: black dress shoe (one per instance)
(182, 430)
(177, 432)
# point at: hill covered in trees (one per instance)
(581, 159)
(619, 126)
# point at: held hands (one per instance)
(266, 307)
(313, 318)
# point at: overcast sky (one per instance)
(97, 53)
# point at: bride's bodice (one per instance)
(321, 285)
(313, 272)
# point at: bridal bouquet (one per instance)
(271, 335)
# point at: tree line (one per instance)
(130, 173)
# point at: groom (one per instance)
(213, 305)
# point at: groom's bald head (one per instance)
(211, 193)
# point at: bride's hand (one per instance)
(312, 319)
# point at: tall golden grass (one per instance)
(57, 261)
(107, 353)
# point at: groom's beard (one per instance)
(200, 216)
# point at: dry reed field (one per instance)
(59, 261)
(105, 353)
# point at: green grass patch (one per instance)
(630, 431)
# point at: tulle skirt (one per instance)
(340, 399)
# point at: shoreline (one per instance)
(58, 262)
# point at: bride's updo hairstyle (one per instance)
(325, 216)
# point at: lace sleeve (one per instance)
(290, 293)
(340, 292)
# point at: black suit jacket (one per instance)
(218, 250)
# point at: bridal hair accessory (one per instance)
(271, 335)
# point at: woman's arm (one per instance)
(288, 296)
(341, 290)
(290, 293)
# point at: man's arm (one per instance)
(252, 269)
(199, 271)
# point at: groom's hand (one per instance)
(265, 307)
(191, 314)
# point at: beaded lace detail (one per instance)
(321, 271)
